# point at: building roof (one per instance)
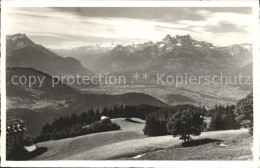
(15, 125)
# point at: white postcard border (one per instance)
(179, 164)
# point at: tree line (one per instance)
(90, 122)
(180, 119)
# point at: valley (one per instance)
(208, 95)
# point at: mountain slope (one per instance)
(247, 72)
(86, 55)
(22, 52)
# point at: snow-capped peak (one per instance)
(101, 46)
(106, 46)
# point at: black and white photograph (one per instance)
(129, 83)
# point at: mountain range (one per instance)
(175, 54)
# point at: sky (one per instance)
(74, 27)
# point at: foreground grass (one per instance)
(60, 149)
(235, 147)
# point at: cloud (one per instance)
(227, 27)
(72, 27)
(151, 13)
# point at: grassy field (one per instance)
(130, 143)
(236, 147)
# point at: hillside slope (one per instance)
(36, 90)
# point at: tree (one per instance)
(154, 126)
(244, 110)
(46, 128)
(84, 117)
(223, 118)
(121, 111)
(91, 116)
(73, 119)
(97, 115)
(127, 112)
(185, 123)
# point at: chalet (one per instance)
(14, 134)
(104, 118)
